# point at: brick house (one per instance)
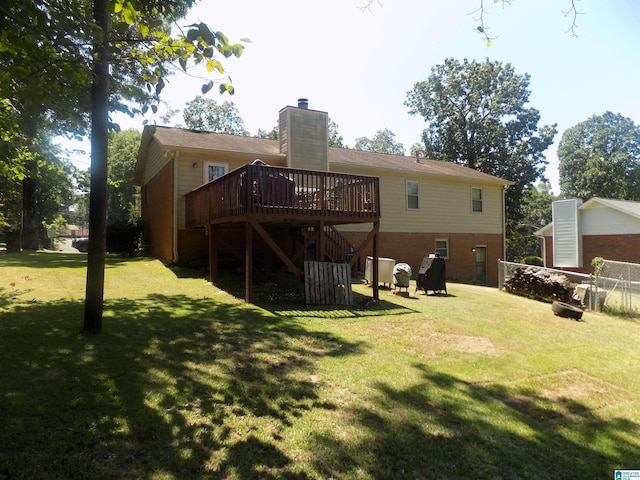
(413, 208)
(599, 227)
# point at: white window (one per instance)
(413, 195)
(476, 200)
(213, 170)
(442, 247)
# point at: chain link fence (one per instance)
(619, 284)
(615, 285)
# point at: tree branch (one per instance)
(367, 5)
(573, 11)
(485, 31)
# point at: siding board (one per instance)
(444, 206)
(603, 220)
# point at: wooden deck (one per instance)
(275, 194)
(258, 196)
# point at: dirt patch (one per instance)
(434, 343)
(468, 344)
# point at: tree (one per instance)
(536, 213)
(477, 116)
(44, 43)
(123, 195)
(53, 190)
(383, 142)
(205, 114)
(479, 16)
(485, 31)
(335, 139)
(124, 226)
(78, 213)
(89, 68)
(198, 44)
(600, 157)
(271, 135)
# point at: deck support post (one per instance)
(274, 246)
(213, 254)
(268, 258)
(248, 261)
(320, 242)
(370, 236)
(376, 287)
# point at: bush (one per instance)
(124, 239)
(533, 260)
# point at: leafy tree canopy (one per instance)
(600, 157)
(206, 114)
(271, 134)
(536, 213)
(123, 195)
(477, 116)
(383, 142)
(335, 139)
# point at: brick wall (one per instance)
(411, 248)
(621, 248)
(157, 211)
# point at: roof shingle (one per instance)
(179, 138)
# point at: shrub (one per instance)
(533, 260)
(124, 238)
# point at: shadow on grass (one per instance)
(54, 260)
(445, 427)
(284, 296)
(173, 388)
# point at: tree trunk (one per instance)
(30, 230)
(93, 306)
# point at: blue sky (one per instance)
(358, 65)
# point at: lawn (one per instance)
(188, 382)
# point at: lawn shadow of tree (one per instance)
(53, 259)
(174, 386)
(283, 295)
(445, 427)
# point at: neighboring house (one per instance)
(75, 231)
(599, 227)
(419, 207)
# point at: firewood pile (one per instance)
(537, 283)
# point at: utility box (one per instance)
(385, 270)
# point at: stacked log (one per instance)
(537, 283)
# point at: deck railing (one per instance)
(284, 193)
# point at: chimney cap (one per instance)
(303, 103)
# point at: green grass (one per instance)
(187, 382)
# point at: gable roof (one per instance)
(627, 207)
(383, 161)
(183, 139)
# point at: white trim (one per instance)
(407, 182)
(435, 246)
(176, 157)
(205, 170)
(481, 200)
